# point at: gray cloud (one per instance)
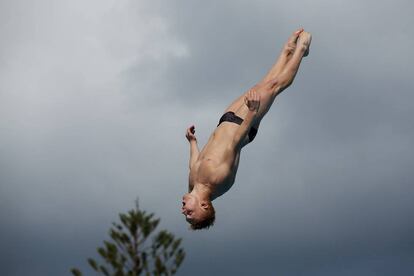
(95, 97)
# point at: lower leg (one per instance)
(270, 89)
(283, 59)
(279, 77)
(285, 55)
(287, 75)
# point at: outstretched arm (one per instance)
(252, 100)
(194, 151)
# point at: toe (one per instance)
(292, 39)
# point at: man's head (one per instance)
(199, 213)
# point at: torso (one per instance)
(218, 161)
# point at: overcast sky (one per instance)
(95, 97)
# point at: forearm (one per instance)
(194, 152)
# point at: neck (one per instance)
(202, 191)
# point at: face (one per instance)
(192, 209)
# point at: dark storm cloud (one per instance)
(92, 108)
(341, 162)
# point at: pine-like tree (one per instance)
(130, 251)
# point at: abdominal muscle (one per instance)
(219, 159)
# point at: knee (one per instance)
(285, 83)
(267, 85)
(286, 78)
(272, 86)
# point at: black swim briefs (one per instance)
(233, 118)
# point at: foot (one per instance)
(304, 41)
(290, 45)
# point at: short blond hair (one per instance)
(207, 222)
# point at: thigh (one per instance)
(239, 108)
(267, 97)
(236, 104)
(267, 92)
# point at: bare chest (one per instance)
(219, 175)
(218, 161)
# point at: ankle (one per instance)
(303, 47)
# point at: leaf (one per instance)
(104, 270)
(176, 244)
(76, 272)
(158, 265)
(93, 264)
(102, 252)
(124, 238)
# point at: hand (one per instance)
(252, 100)
(190, 134)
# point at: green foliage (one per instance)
(130, 251)
(76, 272)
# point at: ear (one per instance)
(204, 205)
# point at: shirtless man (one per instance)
(213, 169)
